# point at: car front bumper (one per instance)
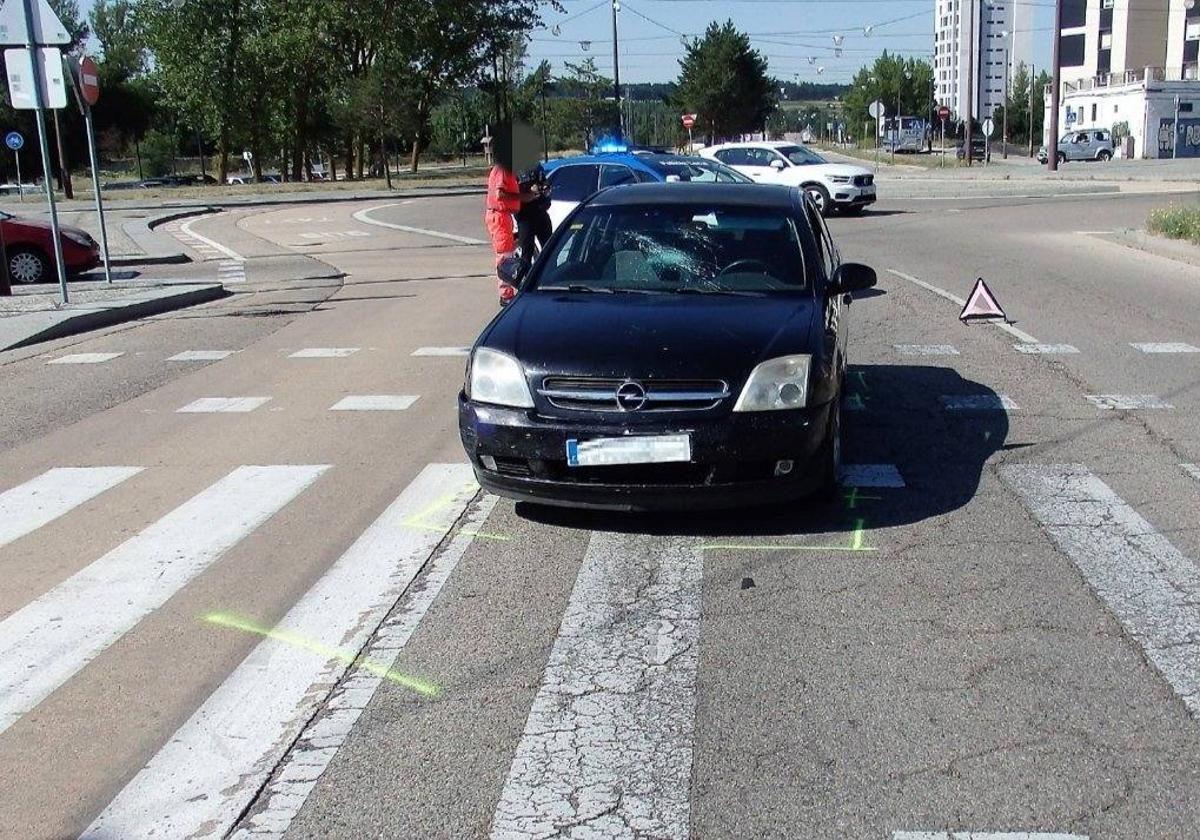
(734, 459)
(851, 196)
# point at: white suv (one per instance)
(831, 185)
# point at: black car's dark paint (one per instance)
(668, 336)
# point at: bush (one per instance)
(1176, 222)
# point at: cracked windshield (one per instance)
(622, 419)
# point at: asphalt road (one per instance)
(252, 590)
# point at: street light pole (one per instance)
(616, 7)
(1004, 133)
(1055, 84)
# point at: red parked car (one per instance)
(29, 249)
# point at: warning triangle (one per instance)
(48, 30)
(981, 304)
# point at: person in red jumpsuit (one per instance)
(504, 199)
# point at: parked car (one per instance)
(832, 186)
(28, 247)
(573, 179)
(1082, 145)
(980, 149)
(675, 346)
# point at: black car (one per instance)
(674, 346)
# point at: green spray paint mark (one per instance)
(853, 498)
(416, 684)
(419, 520)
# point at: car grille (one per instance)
(864, 180)
(599, 394)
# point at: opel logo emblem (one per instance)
(631, 396)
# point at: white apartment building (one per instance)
(992, 36)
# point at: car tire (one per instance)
(820, 197)
(27, 266)
(1104, 156)
(1062, 157)
(831, 457)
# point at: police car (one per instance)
(573, 179)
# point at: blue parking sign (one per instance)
(14, 140)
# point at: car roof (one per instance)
(757, 144)
(738, 195)
(633, 161)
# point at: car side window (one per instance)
(733, 157)
(574, 183)
(612, 175)
(1081, 137)
(825, 251)
(759, 157)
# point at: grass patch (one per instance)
(1176, 222)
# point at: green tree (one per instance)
(894, 81)
(121, 40)
(724, 81)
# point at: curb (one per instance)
(142, 232)
(1171, 249)
(87, 320)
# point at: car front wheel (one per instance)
(820, 197)
(1104, 156)
(27, 266)
(1062, 157)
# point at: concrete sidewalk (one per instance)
(32, 315)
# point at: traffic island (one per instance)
(33, 315)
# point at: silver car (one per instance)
(1093, 144)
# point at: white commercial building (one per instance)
(979, 42)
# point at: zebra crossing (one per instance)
(607, 743)
(231, 267)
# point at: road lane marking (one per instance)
(52, 638)
(1045, 349)
(186, 228)
(926, 349)
(374, 402)
(979, 402)
(364, 216)
(984, 835)
(871, 475)
(607, 747)
(41, 500)
(85, 358)
(1127, 402)
(1166, 347)
(1145, 581)
(324, 353)
(1192, 469)
(200, 356)
(203, 778)
(292, 782)
(1019, 335)
(442, 351)
(222, 405)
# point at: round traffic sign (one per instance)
(89, 80)
(989, 127)
(876, 109)
(943, 113)
(689, 120)
(14, 140)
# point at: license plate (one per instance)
(601, 452)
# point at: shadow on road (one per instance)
(894, 415)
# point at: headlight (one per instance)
(776, 385)
(78, 238)
(840, 179)
(497, 378)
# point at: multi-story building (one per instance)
(1130, 66)
(979, 42)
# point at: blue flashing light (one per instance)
(609, 146)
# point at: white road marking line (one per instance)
(984, 835)
(871, 475)
(979, 402)
(607, 747)
(442, 351)
(1192, 469)
(1045, 349)
(293, 781)
(41, 500)
(1145, 581)
(1127, 402)
(374, 402)
(1019, 335)
(1166, 347)
(52, 638)
(200, 356)
(213, 766)
(364, 216)
(324, 353)
(926, 349)
(222, 405)
(85, 358)
(186, 227)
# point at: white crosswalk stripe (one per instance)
(374, 402)
(984, 835)
(607, 746)
(442, 351)
(199, 783)
(85, 358)
(200, 356)
(926, 349)
(1127, 402)
(1166, 347)
(1192, 469)
(1034, 349)
(223, 405)
(41, 500)
(979, 402)
(46, 642)
(323, 353)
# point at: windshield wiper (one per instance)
(575, 287)
(736, 293)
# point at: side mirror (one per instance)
(851, 277)
(778, 165)
(509, 270)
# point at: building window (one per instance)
(1094, 112)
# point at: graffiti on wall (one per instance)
(1189, 137)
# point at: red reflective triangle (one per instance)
(981, 304)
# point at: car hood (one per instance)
(652, 336)
(39, 225)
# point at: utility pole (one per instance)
(1004, 133)
(616, 7)
(1032, 85)
(969, 132)
(1055, 85)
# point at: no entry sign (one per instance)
(943, 113)
(689, 120)
(89, 80)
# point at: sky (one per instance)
(796, 36)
